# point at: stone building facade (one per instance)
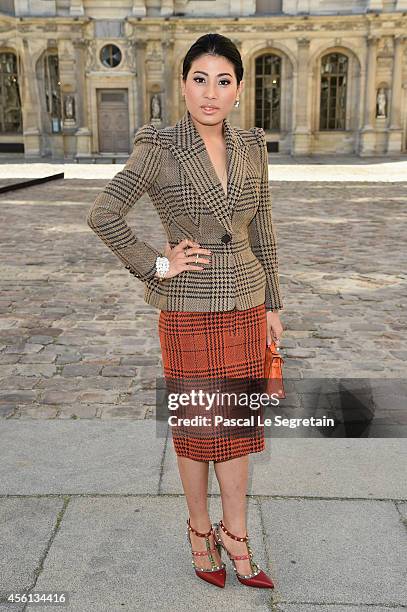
(79, 77)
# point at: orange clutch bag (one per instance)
(273, 372)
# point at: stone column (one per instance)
(83, 134)
(367, 135)
(302, 131)
(29, 102)
(395, 130)
(370, 90)
(168, 73)
(139, 47)
(68, 72)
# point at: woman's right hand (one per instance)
(179, 261)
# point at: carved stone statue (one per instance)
(155, 107)
(69, 107)
(381, 102)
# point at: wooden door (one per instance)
(113, 120)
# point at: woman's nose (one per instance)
(210, 92)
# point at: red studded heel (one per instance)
(257, 578)
(217, 574)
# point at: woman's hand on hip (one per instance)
(183, 257)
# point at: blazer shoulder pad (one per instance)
(147, 133)
(259, 134)
(166, 135)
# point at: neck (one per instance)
(208, 132)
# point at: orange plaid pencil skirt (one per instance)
(214, 353)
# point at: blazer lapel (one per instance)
(189, 149)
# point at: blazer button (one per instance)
(226, 238)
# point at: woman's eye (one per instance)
(199, 79)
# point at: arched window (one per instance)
(52, 91)
(10, 101)
(268, 92)
(334, 73)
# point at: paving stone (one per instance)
(38, 370)
(6, 410)
(37, 412)
(41, 339)
(334, 539)
(118, 371)
(59, 397)
(23, 349)
(68, 358)
(78, 456)
(80, 411)
(25, 534)
(19, 382)
(10, 395)
(81, 369)
(9, 359)
(123, 411)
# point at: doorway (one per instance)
(113, 120)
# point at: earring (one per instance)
(236, 104)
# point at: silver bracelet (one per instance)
(162, 265)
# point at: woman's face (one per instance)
(211, 82)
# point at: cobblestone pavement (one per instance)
(78, 341)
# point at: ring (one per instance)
(196, 258)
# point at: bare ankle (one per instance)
(238, 528)
(200, 523)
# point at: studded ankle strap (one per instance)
(231, 535)
(201, 535)
(201, 553)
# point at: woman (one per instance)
(216, 284)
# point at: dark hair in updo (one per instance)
(214, 44)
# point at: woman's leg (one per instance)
(194, 477)
(232, 476)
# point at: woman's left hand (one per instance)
(274, 328)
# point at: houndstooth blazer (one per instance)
(173, 166)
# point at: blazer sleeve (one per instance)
(106, 216)
(261, 233)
